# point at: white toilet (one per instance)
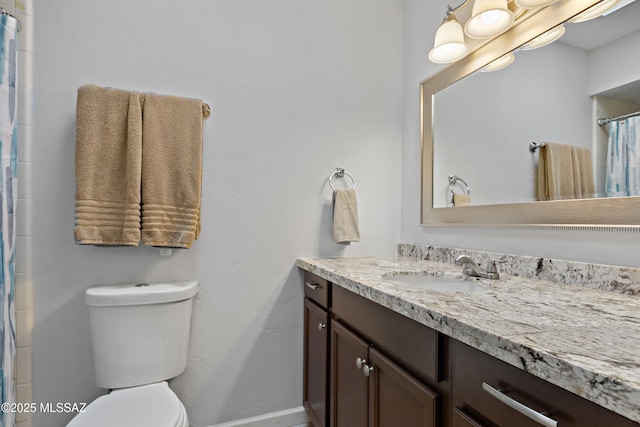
(140, 338)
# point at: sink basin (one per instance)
(431, 282)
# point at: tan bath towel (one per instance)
(345, 217)
(555, 172)
(171, 170)
(108, 166)
(582, 172)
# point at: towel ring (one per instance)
(454, 180)
(340, 173)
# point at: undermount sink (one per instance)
(430, 282)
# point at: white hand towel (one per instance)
(345, 217)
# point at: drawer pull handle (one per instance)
(321, 326)
(524, 410)
(313, 286)
(360, 362)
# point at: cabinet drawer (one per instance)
(473, 368)
(317, 289)
(413, 346)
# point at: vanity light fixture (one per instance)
(595, 11)
(545, 38)
(449, 45)
(500, 63)
(488, 18)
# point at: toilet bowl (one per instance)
(153, 405)
(139, 338)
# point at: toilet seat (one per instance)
(152, 405)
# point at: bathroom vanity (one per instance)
(526, 352)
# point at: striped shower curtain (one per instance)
(623, 158)
(8, 198)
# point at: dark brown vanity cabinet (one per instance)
(488, 392)
(316, 348)
(377, 362)
(368, 366)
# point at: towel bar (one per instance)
(340, 173)
(533, 146)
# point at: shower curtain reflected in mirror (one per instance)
(8, 199)
(623, 158)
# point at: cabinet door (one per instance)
(396, 398)
(316, 342)
(349, 386)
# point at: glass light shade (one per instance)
(449, 45)
(499, 63)
(534, 4)
(595, 11)
(545, 38)
(488, 18)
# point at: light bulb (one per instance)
(595, 11)
(545, 38)
(499, 63)
(534, 4)
(488, 18)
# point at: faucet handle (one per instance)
(493, 268)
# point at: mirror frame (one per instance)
(611, 214)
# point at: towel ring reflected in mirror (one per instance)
(340, 173)
(453, 179)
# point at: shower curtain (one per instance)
(8, 199)
(623, 158)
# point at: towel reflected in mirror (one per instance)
(564, 172)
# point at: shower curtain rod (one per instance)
(613, 119)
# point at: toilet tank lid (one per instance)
(141, 293)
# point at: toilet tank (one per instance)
(140, 333)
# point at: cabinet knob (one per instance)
(360, 362)
(321, 326)
(366, 370)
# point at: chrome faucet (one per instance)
(470, 268)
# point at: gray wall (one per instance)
(297, 89)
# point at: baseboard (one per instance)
(287, 418)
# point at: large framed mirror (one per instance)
(477, 127)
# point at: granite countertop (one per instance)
(584, 340)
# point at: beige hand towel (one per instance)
(108, 165)
(461, 199)
(171, 171)
(582, 172)
(555, 172)
(345, 216)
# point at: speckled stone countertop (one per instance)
(584, 340)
